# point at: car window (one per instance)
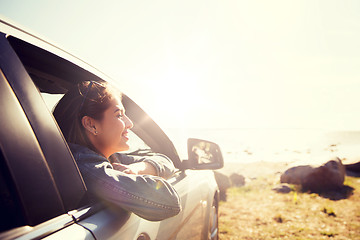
(51, 99)
(53, 72)
(59, 178)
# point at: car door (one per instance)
(58, 171)
(32, 203)
(189, 223)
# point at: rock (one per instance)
(353, 169)
(237, 180)
(329, 176)
(282, 188)
(223, 182)
(295, 175)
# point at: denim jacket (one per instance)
(150, 197)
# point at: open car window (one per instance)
(54, 72)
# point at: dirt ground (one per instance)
(255, 211)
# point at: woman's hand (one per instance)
(139, 168)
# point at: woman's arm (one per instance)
(149, 197)
(139, 168)
(162, 164)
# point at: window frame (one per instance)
(66, 71)
(59, 159)
(27, 127)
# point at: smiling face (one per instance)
(111, 130)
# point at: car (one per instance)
(42, 192)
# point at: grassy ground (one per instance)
(255, 211)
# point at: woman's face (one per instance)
(112, 134)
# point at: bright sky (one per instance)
(218, 64)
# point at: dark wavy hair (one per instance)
(88, 98)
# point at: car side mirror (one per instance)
(203, 154)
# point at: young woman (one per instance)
(93, 121)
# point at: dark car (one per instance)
(42, 193)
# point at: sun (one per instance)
(177, 101)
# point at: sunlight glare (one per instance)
(178, 98)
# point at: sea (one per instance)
(274, 145)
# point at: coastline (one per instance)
(255, 152)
